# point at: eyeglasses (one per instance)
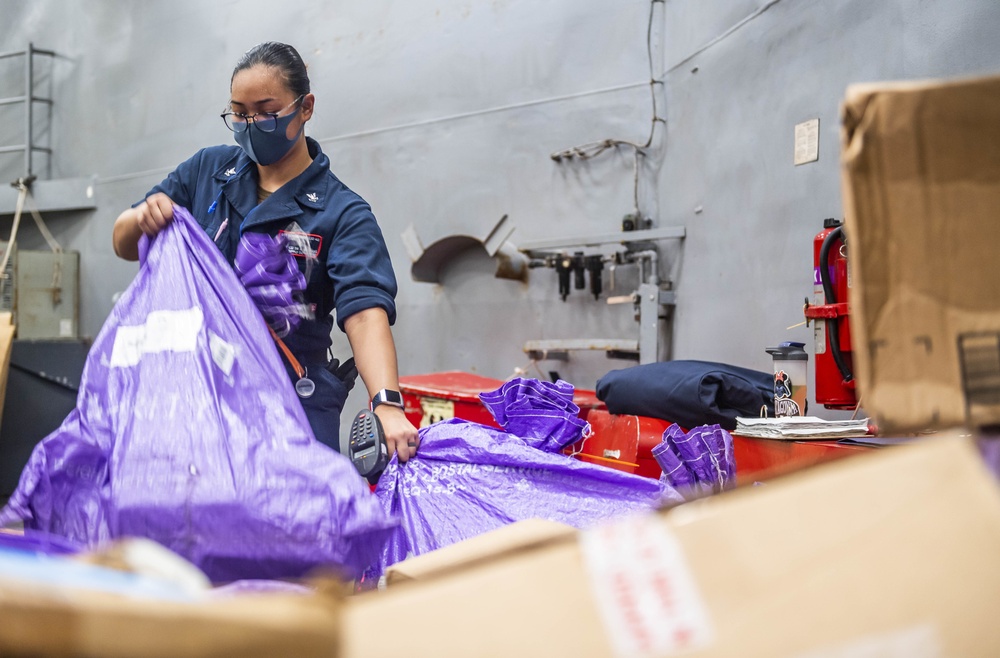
(265, 121)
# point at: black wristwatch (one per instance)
(389, 397)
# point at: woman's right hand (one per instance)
(153, 214)
(149, 217)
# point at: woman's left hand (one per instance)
(400, 435)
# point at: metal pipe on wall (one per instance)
(28, 92)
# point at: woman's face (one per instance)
(262, 89)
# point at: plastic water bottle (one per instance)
(791, 371)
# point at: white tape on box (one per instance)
(644, 589)
(923, 641)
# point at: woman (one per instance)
(278, 180)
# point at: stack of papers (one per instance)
(800, 428)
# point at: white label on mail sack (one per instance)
(223, 352)
(163, 331)
(644, 589)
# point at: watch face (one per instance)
(389, 397)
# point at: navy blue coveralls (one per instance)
(351, 272)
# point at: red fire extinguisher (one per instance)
(828, 310)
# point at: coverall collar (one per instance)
(308, 189)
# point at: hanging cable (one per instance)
(594, 149)
(22, 192)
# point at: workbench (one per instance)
(622, 442)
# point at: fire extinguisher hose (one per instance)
(832, 324)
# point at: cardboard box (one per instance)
(59, 621)
(890, 553)
(521, 535)
(133, 597)
(921, 188)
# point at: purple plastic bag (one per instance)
(187, 431)
(273, 280)
(250, 587)
(467, 479)
(34, 541)
(989, 448)
(541, 413)
(699, 462)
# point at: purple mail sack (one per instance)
(187, 431)
(698, 462)
(467, 479)
(273, 280)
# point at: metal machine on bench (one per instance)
(577, 257)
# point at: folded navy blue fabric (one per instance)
(689, 393)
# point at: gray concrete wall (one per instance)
(733, 106)
(443, 115)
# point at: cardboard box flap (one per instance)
(508, 539)
(921, 185)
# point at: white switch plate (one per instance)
(807, 142)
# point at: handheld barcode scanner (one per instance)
(367, 448)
